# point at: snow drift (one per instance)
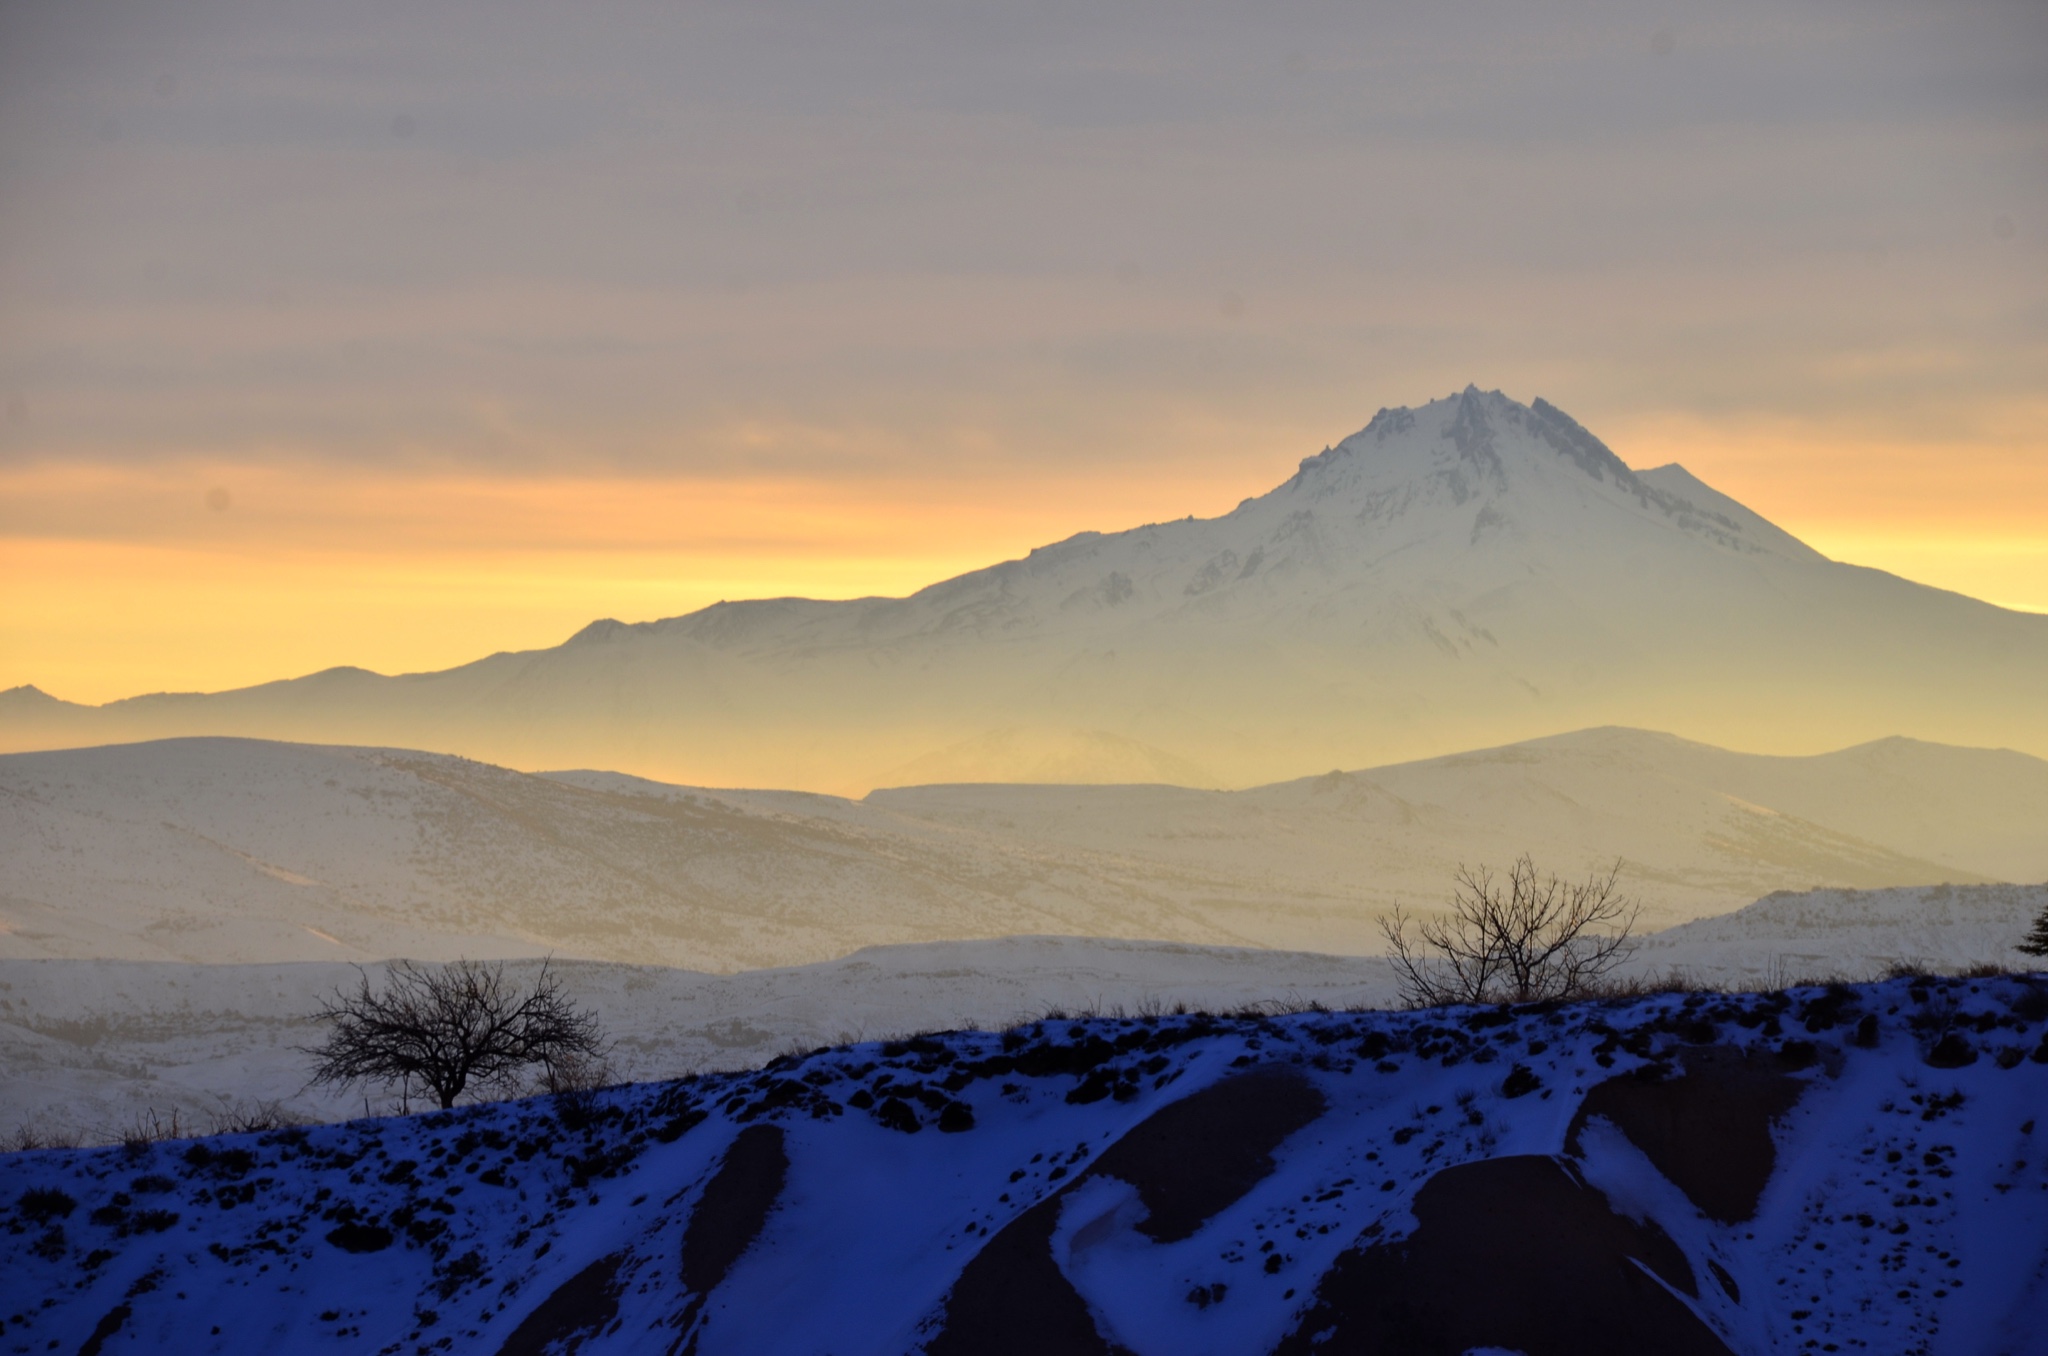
(1849, 1168)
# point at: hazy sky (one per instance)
(397, 334)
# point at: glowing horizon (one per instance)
(463, 567)
(477, 331)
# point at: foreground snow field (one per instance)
(1840, 1169)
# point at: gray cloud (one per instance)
(503, 232)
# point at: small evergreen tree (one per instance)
(2036, 943)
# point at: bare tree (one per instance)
(1534, 938)
(452, 1028)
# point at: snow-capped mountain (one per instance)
(1472, 571)
(1839, 1169)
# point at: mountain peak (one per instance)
(1471, 570)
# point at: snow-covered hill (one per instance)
(1856, 934)
(1854, 1169)
(222, 850)
(1473, 571)
(89, 1048)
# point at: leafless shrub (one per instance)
(241, 1118)
(2030, 1002)
(1529, 939)
(575, 1071)
(1674, 980)
(150, 1126)
(453, 1028)
(28, 1137)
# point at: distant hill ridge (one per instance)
(215, 849)
(1472, 571)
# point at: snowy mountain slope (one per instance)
(224, 850)
(1847, 1169)
(1473, 571)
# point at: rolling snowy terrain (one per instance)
(89, 1049)
(1470, 572)
(1844, 1169)
(220, 850)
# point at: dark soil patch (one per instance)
(110, 1323)
(1517, 1253)
(1013, 1299)
(353, 1237)
(734, 1206)
(1708, 1132)
(581, 1307)
(1188, 1161)
(1952, 1051)
(1197, 1156)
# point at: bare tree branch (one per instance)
(1535, 938)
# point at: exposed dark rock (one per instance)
(1187, 1161)
(1708, 1132)
(581, 1307)
(1012, 1299)
(734, 1206)
(1952, 1051)
(1197, 1156)
(1518, 1254)
(108, 1325)
(360, 1237)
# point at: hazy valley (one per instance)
(231, 850)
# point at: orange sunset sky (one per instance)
(397, 335)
